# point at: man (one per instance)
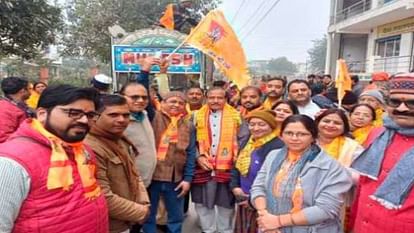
(275, 89)
(300, 93)
(195, 99)
(13, 109)
(357, 87)
(176, 151)
(379, 81)
(125, 193)
(385, 195)
(47, 174)
(101, 83)
(217, 124)
(184, 18)
(250, 97)
(375, 99)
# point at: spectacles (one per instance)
(297, 134)
(137, 97)
(395, 103)
(77, 114)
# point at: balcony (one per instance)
(393, 65)
(353, 10)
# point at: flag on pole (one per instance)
(215, 37)
(343, 81)
(167, 20)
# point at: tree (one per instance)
(317, 54)
(87, 33)
(26, 26)
(281, 66)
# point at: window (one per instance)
(388, 47)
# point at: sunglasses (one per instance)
(395, 103)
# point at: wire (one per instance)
(237, 12)
(252, 16)
(261, 19)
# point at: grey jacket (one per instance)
(325, 183)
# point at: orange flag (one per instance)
(215, 37)
(167, 20)
(343, 80)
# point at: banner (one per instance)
(343, 80)
(215, 37)
(128, 59)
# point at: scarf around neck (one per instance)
(170, 135)
(361, 134)
(60, 174)
(284, 203)
(112, 142)
(138, 116)
(394, 190)
(334, 148)
(244, 159)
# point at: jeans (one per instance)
(173, 205)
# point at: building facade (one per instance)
(371, 35)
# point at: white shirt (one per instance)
(215, 129)
(309, 110)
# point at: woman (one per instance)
(262, 140)
(334, 136)
(362, 117)
(38, 88)
(283, 110)
(299, 187)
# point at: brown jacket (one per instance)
(171, 169)
(126, 206)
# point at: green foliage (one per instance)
(27, 26)
(281, 66)
(87, 32)
(317, 55)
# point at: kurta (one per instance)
(370, 215)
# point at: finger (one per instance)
(182, 193)
(178, 187)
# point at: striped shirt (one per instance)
(14, 188)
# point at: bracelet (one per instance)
(278, 221)
(291, 219)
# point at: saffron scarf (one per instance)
(285, 193)
(379, 114)
(394, 190)
(267, 104)
(170, 135)
(227, 148)
(334, 148)
(244, 159)
(361, 134)
(60, 174)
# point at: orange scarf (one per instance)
(282, 175)
(60, 173)
(267, 104)
(170, 135)
(227, 149)
(335, 147)
(378, 118)
(361, 134)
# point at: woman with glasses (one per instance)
(299, 187)
(361, 119)
(283, 110)
(251, 157)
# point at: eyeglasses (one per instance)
(395, 103)
(297, 134)
(77, 114)
(137, 97)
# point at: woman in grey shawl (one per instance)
(299, 187)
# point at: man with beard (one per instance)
(47, 174)
(217, 124)
(125, 193)
(250, 97)
(385, 188)
(275, 89)
(299, 92)
(13, 109)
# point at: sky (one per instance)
(288, 30)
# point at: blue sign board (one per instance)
(128, 58)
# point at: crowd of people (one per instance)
(281, 157)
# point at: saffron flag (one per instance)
(215, 37)
(167, 20)
(343, 81)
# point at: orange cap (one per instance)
(380, 76)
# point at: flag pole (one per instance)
(176, 49)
